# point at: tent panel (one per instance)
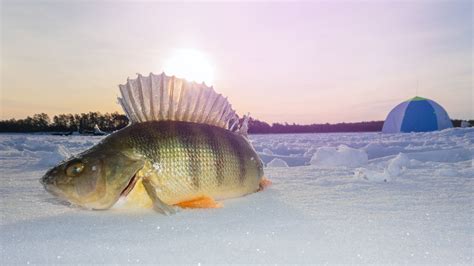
(441, 115)
(419, 116)
(417, 98)
(394, 119)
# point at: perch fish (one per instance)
(185, 148)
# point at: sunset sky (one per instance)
(315, 62)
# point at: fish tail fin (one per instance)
(264, 183)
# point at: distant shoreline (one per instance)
(85, 123)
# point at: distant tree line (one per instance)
(260, 127)
(84, 122)
(457, 122)
(110, 122)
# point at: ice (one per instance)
(369, 198)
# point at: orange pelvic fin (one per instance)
(264, 183)
(201, 202)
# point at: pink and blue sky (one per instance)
(322, 61)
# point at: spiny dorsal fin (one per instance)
(244, 126)
(160, 97)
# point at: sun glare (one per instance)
(191, 65)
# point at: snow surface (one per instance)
(345, 198)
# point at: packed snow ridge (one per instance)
(350, 198)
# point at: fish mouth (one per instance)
(130, 186)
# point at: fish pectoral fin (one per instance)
(158, 205)
(264, 183)
(201, 202)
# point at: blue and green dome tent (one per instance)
(416, 115)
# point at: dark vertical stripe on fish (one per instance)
(187, 138)
(145, 138)
(212, 141)
(234, 143)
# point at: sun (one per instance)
(191, 65)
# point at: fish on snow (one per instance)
(185, 147)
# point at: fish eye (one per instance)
(75, 169)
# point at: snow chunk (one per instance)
(372, 175)
(267, 151)
(340, 156)
(277, 162)
(395, 168)
(377, 150)
(398, 164)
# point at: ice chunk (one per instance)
(340, 156)
(395, 168)
(277, 162)
(267, 151)
(310, 152)
(377, 150)
(398, 164)
(372, 175)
